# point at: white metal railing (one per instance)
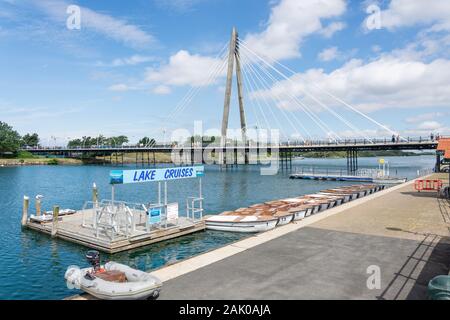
(194, 207)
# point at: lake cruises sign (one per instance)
(154, 175)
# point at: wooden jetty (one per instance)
(70, 228)
(331, 177)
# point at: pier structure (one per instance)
(113, 226)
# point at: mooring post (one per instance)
(55, 220)
(26, 204)
(38, 205)
(94, 194)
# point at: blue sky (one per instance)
(131, 63)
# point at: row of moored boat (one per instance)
(268, 215)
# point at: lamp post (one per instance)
(164, 137)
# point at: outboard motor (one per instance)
(93, 257)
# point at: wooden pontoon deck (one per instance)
(70, 228)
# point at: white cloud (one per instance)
(111, 27)
(430, 125)
(427, 127)
(328, 54)
(388, 82)
(120, 87)
(425, 117)
(376, 48)
(331, 29)
(405, 13)
(290, 22)
(184, 68)
(162, 90)
(129, 61)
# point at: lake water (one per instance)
(32, 265)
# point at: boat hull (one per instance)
(140, 285)
(299, 215)
(285, 220)
(245, 227)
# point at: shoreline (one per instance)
(20, 162)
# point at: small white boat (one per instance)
(344, 197)
(301, 210)
(63, 212)
(43, 218)
(319, 205)
(237, 223)
(326, 202)
(284, 217)
(113, 281)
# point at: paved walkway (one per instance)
(402, 232)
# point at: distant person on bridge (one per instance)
(432, 136)
(393, 138)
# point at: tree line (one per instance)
(117, 141)
(11, 141)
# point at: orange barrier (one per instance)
(428, 185)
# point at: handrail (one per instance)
(345, 142)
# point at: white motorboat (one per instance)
(48, 215)
(113, 281)
(63, 212)
(241, 223)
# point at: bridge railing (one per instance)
(329, 142)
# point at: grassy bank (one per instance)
(141, 158)
(38, 161)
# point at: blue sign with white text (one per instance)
(154, 175)
(154, 216)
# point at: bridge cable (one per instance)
(264, 84)
(268, 106)
(327, 130)
(309, 95)
(193, 91)
(313, 117)
(339, 100)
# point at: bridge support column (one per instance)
(234, 56)
(438, 163)
(352, 161)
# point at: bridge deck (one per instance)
(325, 146)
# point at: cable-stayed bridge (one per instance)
(270, 96)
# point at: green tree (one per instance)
(117, 141)
(147, 142)
(31, 140)
(9, 138)
(74, 143)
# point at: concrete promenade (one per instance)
(402, 232)
(327, 256)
